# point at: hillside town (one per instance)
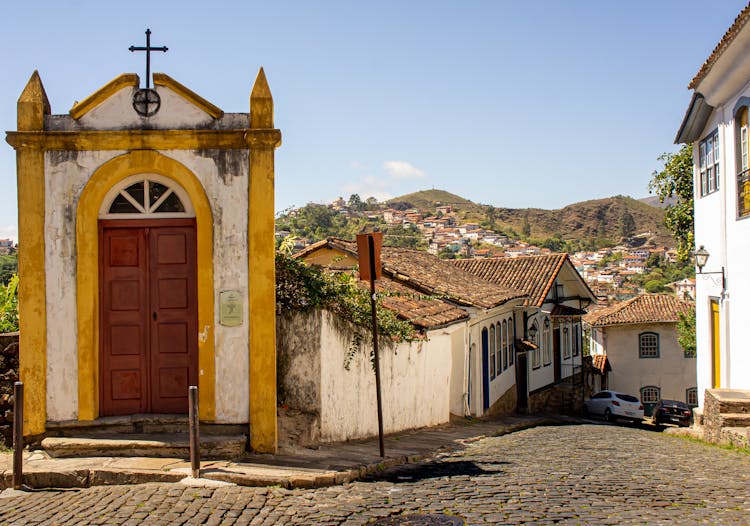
(609, 271)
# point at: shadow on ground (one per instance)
(433, 470)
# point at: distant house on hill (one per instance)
(639, 339)
(557, 297)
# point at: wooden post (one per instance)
(18, 435)
(195, 441)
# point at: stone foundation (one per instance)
(505, 405)
(725, 409)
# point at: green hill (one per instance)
(598, 221)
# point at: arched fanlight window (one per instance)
(146, 196)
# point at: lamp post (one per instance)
(701, 258)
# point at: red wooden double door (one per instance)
(149, 316)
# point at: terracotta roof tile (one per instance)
(534, 275)
(431, 275)
(646, 308)
(600, 364)
(422, 311)
(723, 44)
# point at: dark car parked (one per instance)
(671, 412)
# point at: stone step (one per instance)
(139, 424)
(734, 406)
(173, 445)
(734, 419)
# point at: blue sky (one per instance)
(514, 104)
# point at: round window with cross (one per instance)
(146, 196)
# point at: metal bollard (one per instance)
(195, 442)
(18, 435)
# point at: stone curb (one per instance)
(88, 477)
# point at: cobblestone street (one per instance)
(586, 474)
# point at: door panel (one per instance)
(149, 322)
(123, 322)
(174, 304)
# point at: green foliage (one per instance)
(686, 333)
(302, 287)
(403, 236)
(627, 224)
(318, 222)
(9, 305)
(675, 180)
(659, 273)
(8, 267)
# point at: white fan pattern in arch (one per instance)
(146, 196)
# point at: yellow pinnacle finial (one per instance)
(33, 105)
(261, 103)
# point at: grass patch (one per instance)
(728, 447)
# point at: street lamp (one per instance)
(701, 258)
(532, 332)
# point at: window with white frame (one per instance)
(691, 397)
(146, 196)
(566, 343)
(743, 174)
(576, 339)
(546, 343)
(648, 345)
(650, 394)
(708, 163)
(499, 343)
(535, 362)
(492, 351)
(510, 337)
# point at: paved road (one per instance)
(584, 474)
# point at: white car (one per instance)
(613, 405)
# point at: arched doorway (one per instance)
(148, 335)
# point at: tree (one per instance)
(675, 181)
(526, 226)
(355, 202)
(686, 332)
(627, 224)
(492, 216)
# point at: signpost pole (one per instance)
(373, 303)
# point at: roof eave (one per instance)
(694, 121)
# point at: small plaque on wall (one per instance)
(230, 308)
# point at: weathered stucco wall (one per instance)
(671, 372)
(223, 176)
(415, 378)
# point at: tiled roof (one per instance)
(600, 364)
(431, 275)
(534, 275)
(422, 311)
(646, 308)
(723, 44)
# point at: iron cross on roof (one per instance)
(148, 49)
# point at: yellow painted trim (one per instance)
(126, 80)
(146, 139)
(715, 346)
(32, 289)
(262, 273)
(87, 249)
(161, 79)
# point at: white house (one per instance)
(557, 297)
(639, 339)
(716, 125)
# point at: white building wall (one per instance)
(671, 371)
(415, 384)
(225, 185)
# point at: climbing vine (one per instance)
(301, 287)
